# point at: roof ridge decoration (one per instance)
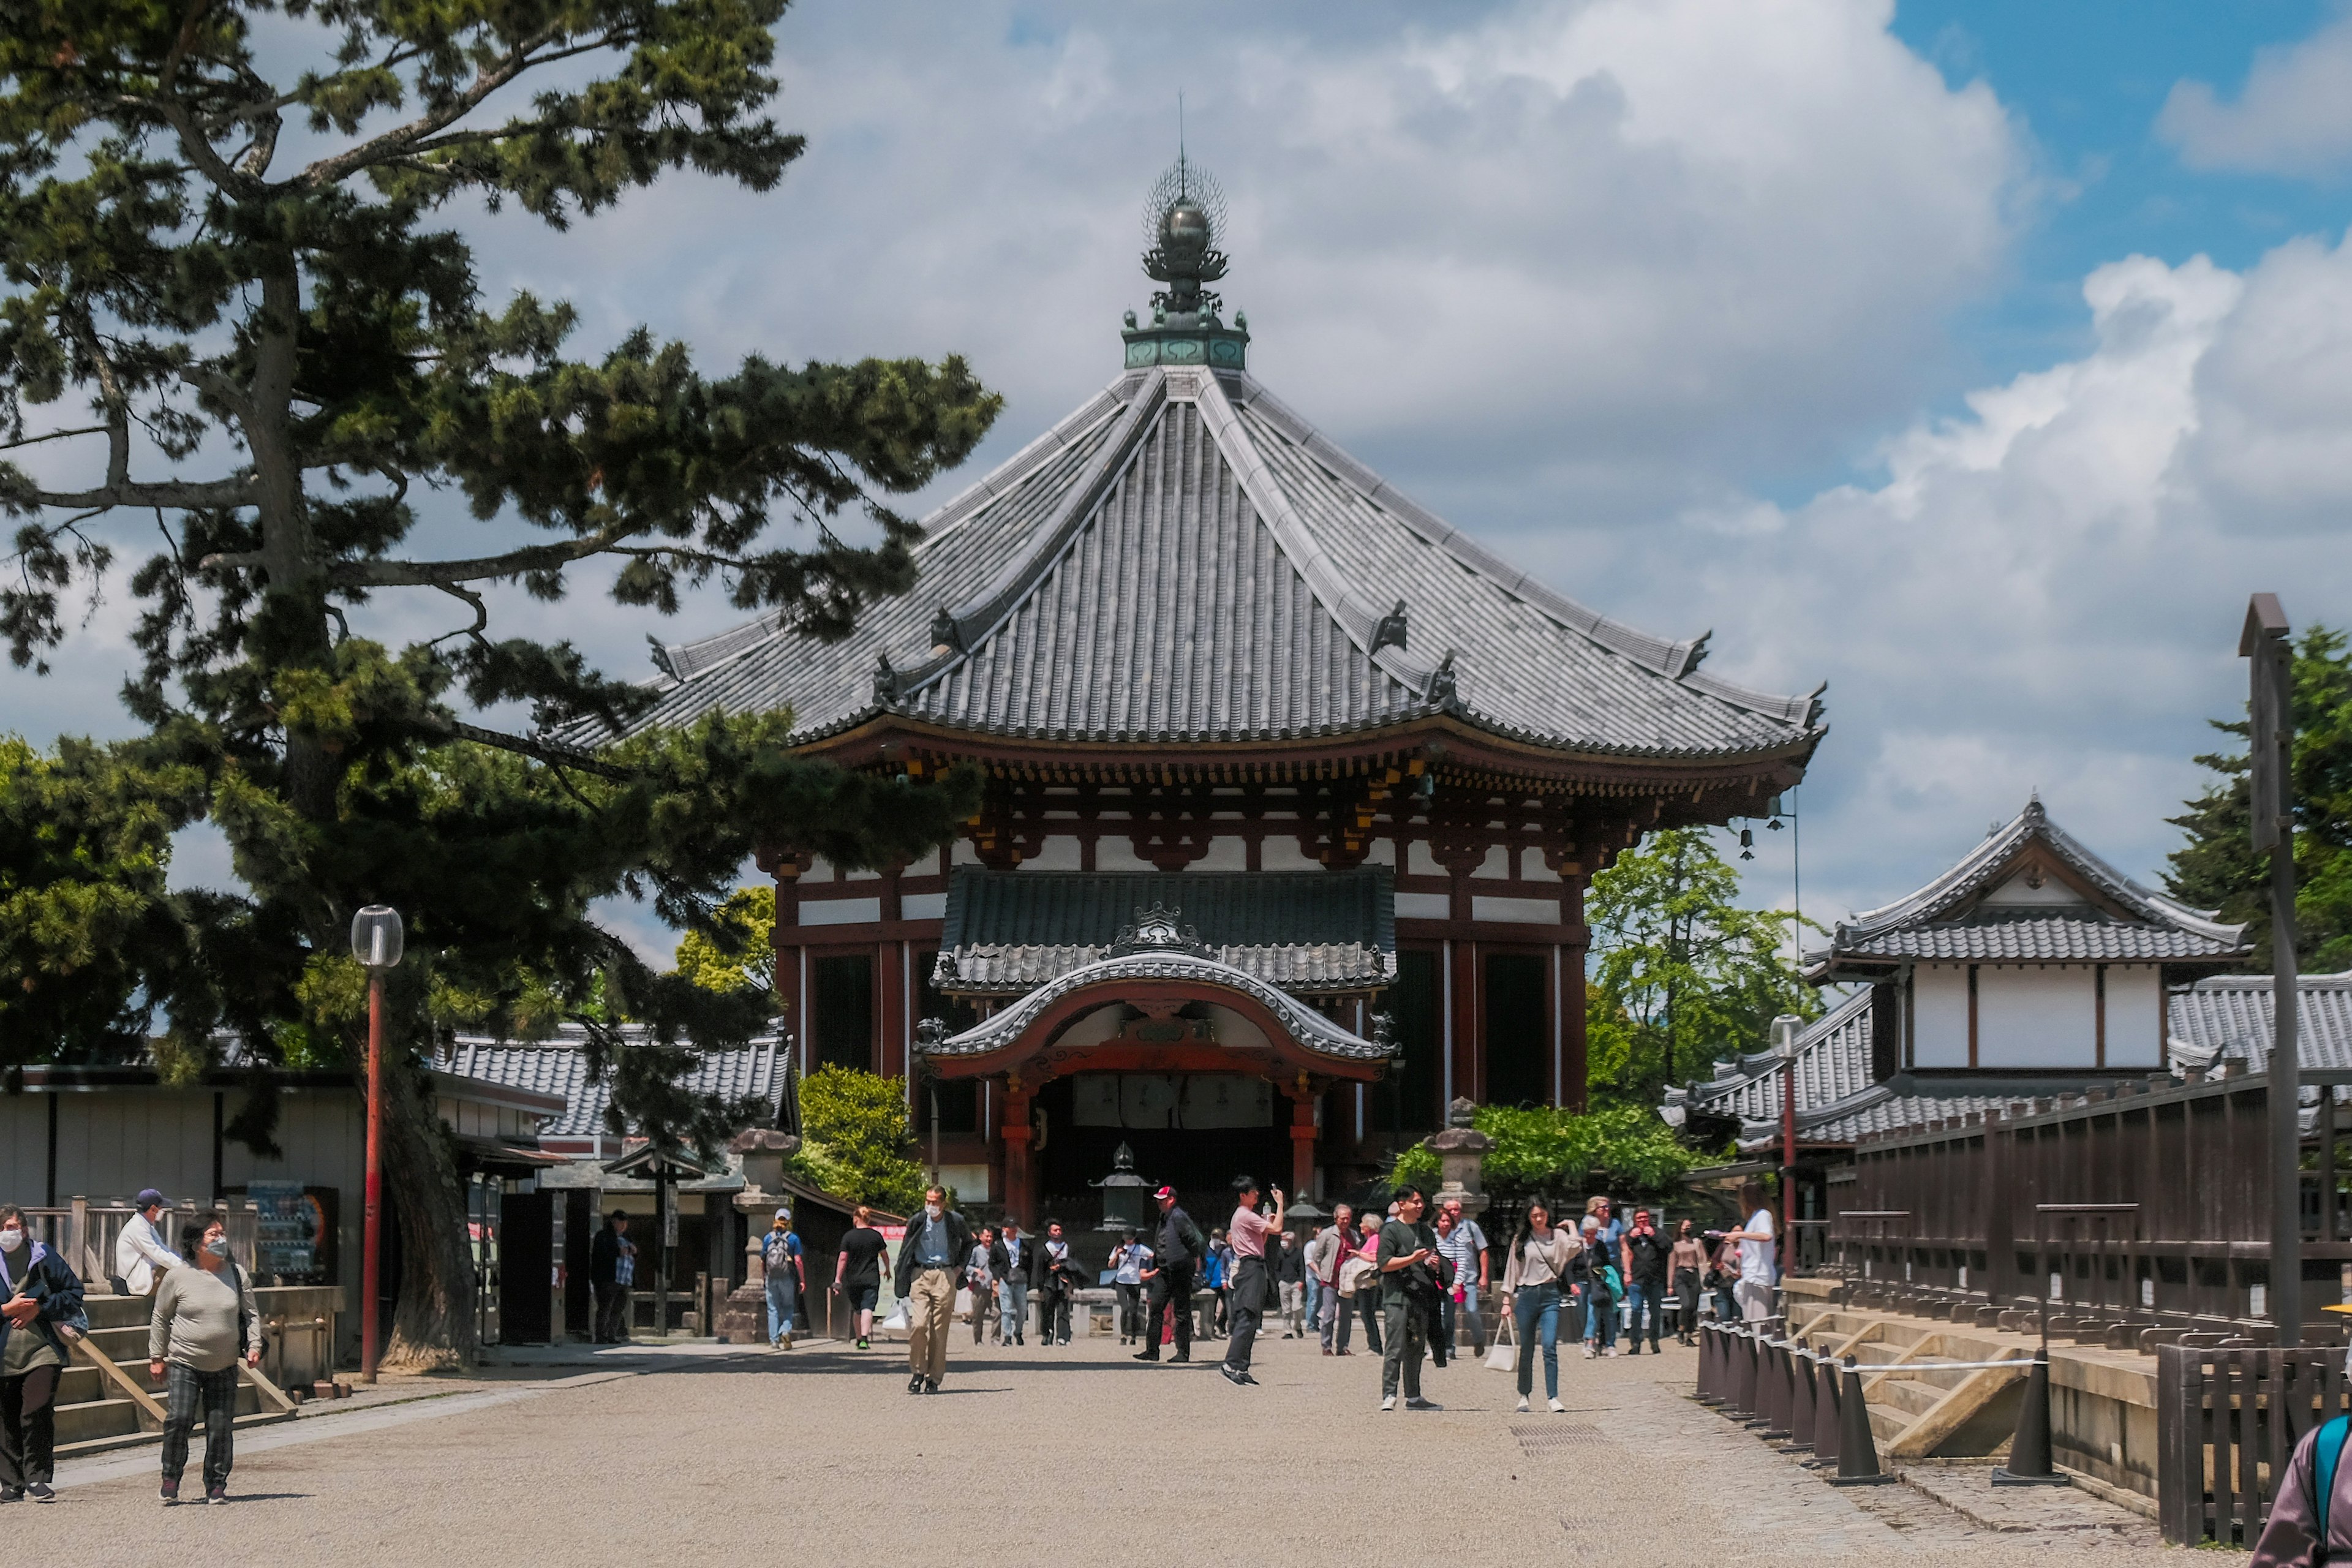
(1158, 929)
(1982, 868)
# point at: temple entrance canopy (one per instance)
(1158, 1037)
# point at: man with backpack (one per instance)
(2310, 1521)
(1408, 1264)
(780, 1256)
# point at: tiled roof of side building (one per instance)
(1183, 559)
(2228, 1017)
(559, 1066)
(1832, 1064)
(1951, 917)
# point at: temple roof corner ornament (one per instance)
(1393, 630)
(1384, 1035)
(1445, 686)
(929, 1032)
(886, 682)
(946, 631)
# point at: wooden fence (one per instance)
(2227, 1424)
(2147, 1206)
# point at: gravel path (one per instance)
(818, 1456)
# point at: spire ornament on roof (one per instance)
(1183, 218)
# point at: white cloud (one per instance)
(2045, 590)
(2293, 115)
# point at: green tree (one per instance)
(1681, 972)
(2218, 868)
(89, 936)
(855, 1141)
(277, 358)
(1562, 1155)
(738, 948)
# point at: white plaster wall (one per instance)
(1940, 1000)
(923, 906)
(1423, 906)
(969, 1182)
(1420, 862)
(111, 1144)
(1532, 867)
(1224, 854)
(1092, 1029)
(2136, 1016)
(2018, 891)
(1233, 1030)
(839, 912)
(2037, 1017)
(1523, 912)
(1116, 852)
(964, 854)
(1381, 853)
(1055, 855)
(1497, 864)
(1280, 852)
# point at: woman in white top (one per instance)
(1128, 1260)
(1540, 1254)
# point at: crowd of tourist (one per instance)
(1419, 1281)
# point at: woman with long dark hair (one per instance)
(1541, 1254)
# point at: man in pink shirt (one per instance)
(1247, 1235)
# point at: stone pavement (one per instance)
(818, 1456)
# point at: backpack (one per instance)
(2324, 1454)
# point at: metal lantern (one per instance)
(376, 936)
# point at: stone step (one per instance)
(1907, 1395)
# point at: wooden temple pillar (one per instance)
(1572, 954)
(786, 866)
(1020, 1179)
(1304, 1097)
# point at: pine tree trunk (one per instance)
(433, 1323)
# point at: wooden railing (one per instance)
(2227, 1424)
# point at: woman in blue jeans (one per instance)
(1539, 1261)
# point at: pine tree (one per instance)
(277, 358)
(2218, 868)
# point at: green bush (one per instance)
(856, 1142)
(1551, 1153)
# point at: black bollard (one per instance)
(1825, 1414)
(2029, 1451)
(1742, 1403)
(1709, 1382)
(1857, 1449)
(1771, 1393)
(1801, 1397)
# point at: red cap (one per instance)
(1165, 1192)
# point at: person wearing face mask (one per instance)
(40, 1299)
(938, 1242)
(204, 1322)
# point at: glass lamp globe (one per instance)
(376, 936)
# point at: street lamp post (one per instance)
(377, 939)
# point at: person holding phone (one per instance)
(40, 1302)
(1247, 1235)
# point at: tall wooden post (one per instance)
(2266, 642)
(1302, 1138)
(1020, 1193)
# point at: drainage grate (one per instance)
(1551, 1437)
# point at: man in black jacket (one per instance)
(605, 1253)
(1058, 1278)
(938, 1242)
(1176, 1248)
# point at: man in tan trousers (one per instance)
(938, 1241)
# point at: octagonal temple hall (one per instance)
(1294, 791)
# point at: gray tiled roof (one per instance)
(1945, 919)
(559, 1066)
(1305, 1025)
(2228, 1017)
(1312, 932)
(1184, 559)
(1832, 1063)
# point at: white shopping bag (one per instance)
(1503, 1355)
(897, 1321)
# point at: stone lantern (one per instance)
(1462, 1157)
(762, 1152)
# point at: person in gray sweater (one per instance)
(204, 1321)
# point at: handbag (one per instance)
(1503, 1355)
(897, 1321)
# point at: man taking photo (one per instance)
(1247, 1235)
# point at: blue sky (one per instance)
(1979, 359)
